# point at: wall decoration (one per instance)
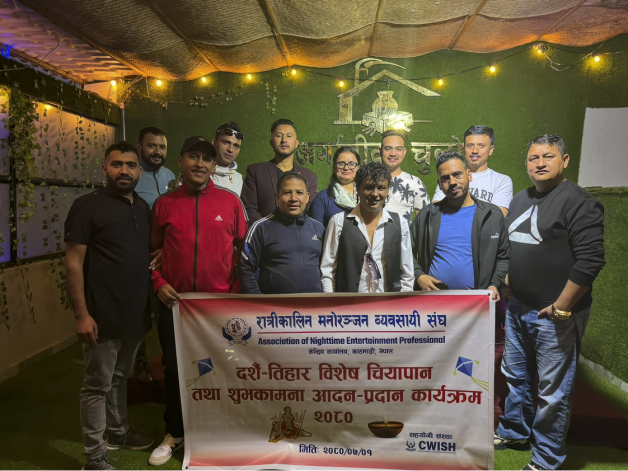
(324, 151)
(384, 114)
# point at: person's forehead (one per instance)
(122, 156)
(293, 182)
(347, 156)
(453, 165)
(395, 141)
(475, 138)
(223, 137)
(197, 151)
(150, 137)
(540, 149)
(284, 129)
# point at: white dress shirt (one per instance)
(329, 261)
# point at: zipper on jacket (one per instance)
(300, 253)
(196, 242)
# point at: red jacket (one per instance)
(199, 232)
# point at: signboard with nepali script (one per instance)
(394, 381)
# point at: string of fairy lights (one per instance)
(541, 49)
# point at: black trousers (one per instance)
(173, 415)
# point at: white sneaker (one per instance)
(163, 452)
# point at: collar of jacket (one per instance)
(115, 194)
(286, 220)
(296, 168)
(482, 206)
(222, 171)
(189, 191)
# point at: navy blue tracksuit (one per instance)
(282, 256)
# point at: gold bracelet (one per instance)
(560, 315)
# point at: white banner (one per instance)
(379, 381)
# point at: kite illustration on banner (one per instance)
(465, 366)
(204, 366)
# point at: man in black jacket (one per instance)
(459, 242)
(282, 252)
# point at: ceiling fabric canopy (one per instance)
(186, 39)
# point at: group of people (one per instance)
(372, 230)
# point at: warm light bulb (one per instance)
(294, 71)
(158, 83)
(341, 84)
(47, 107)
(596, 58)
(492, 69)
(249, 76)
(440, 81)
(113, 83)
(204, 79)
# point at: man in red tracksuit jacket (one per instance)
(198, 227)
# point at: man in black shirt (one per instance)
(107, 236)
(556, 237)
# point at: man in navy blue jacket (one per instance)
(282, 251)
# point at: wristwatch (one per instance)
(560, 315)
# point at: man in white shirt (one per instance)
(227, 142)
(368, 250)
(487, 185)
(407, 193)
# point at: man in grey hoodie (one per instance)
(227, 142)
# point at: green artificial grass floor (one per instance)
(39, 422)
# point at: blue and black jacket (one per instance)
(282, 256)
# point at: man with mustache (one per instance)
(556, 232)
(460, 242)
(228, 142)
(258, 191)
(156, 179)
(282, 252)
(487, 185)
(197, 227)
(107, 235)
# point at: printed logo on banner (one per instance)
(410, 446)
(236, 331)
(204, 366)
(287, 426)
(465, 366)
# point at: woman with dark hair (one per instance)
(340, 194)
(368, 250)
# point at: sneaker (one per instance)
(533, 466)
(502, 443)
(101, 462)
(163, 452)
(131, 440)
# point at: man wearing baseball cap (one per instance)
(197, 227)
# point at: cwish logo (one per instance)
(315, 238)
(218, 218)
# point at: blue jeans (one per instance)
(550, 349)
(103, 393)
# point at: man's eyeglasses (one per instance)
(351, 165)
(230, 132)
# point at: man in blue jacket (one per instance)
(282, 251)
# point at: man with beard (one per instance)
(107, 237)
(446, 253)
(407, 193)
(227, 142)
(487, 184)
(282, 252)
(197, 227)
(258, 191)
(156, 180)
